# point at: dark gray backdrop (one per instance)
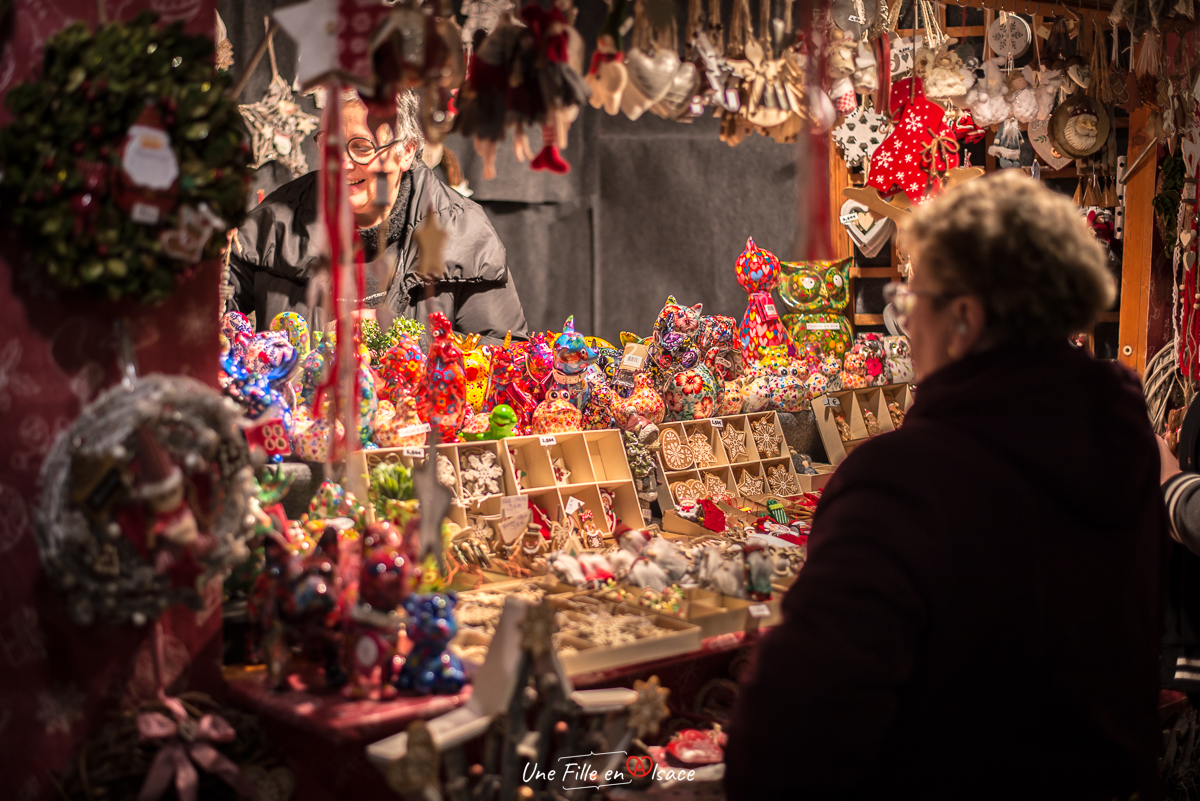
(650, 207)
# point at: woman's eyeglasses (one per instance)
(362, 150)
(902, 297)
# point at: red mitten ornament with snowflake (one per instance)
(919, 150)
(758, 273)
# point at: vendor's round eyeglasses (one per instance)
(362, 150)
(902, 297)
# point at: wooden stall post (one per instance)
(1139, 246)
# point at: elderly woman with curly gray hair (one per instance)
(979, 613)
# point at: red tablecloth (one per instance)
(324, 736)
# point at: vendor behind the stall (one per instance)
(279, 250)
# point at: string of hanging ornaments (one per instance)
(123, 158)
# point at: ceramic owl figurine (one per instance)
(758, 273)
(441, 396)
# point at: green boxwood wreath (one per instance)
(70, 123)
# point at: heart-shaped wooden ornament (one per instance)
(690, 490)
(652, 76)
(869, 232)
(1186, 238)
(676, 455)
(679, 92)
(1189, 259)
(1039, 137)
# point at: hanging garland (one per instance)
(123, 158)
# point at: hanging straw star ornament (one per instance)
(430, 241)
(650, 708)
(277, 126)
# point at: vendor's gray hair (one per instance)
(408, 116)
(1021, 249)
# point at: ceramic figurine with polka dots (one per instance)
(441, 396)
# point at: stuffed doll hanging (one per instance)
(920, 149)
(758, 273)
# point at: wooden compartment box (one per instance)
(851, 404)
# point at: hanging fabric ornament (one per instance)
(860, 135)
(920, 149)
(277, 126)
(758, 273)
(224, 56)
(1007, 145)
(607, 77)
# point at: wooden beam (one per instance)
(1139, 246)
(875, 272)
(868, 319)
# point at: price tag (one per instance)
(547, 440)
(413, 452)
(832, 402)
(513, 505)
(1043, 32)
(769, 310)
(413, 430)
(716, 422)
(859, 20)
(631, 362)
(511, 528)
(822, 326)
(849, 219)
(759, 610)
(573, 505)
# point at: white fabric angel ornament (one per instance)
(986, 99)
(1022, 96)
(946, 77)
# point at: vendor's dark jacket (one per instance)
(279, 253)
(979, 613)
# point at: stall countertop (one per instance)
(341, 720)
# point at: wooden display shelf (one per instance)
(593, 461)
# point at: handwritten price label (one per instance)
(547, 440)
(413, 452)
(716, 422)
